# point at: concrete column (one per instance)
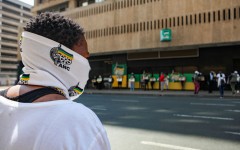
(72, 4)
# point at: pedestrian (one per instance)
(221, 83)
(94, 82)
(152, 81)
(196, 82)
(146, 80)
(233, 79)
(132, 82)
(162, 81)
(99, 82)
(110, 81)
(119, 80)
(166, 80)
(211, 81)
(38, 113)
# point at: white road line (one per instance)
(235, 133)
(167, 145)
(98, 108)
(120, 100)
(238, 111)
(148, 97)
(205, 104)
(204, 117)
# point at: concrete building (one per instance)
(13, 15)
(198, 35)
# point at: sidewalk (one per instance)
(155, 92)
(159, 93)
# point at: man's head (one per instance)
(59, 29)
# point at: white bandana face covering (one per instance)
(48, 63)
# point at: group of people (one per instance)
(220, 79)
(147, 78)
(100, 82)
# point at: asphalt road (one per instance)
(167, 123)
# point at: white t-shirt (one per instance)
(219, 78)
(53, 125)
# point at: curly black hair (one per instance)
(56, 27)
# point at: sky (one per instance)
(30, 2)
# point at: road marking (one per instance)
(148, 97)
(234, 110)
(98, 108)
(204, 117)
(235, 133)
(230, 105)
(167, 146)
(120, 100)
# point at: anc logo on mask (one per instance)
(61, 58)
(75, 90)
(24, 78)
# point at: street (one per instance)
(167, 122)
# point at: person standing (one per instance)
(166, 80)
(196, 82)
(119, 80)
(221, 81)
(233, 81)
(152, 81)
(132, 82)
(110, 81)
(162, 81)
(210, 82)
(146, 80)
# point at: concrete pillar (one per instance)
(72, 4)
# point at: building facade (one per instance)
(13, 15)
(204, 34)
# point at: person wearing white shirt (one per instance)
(38, 113)
(221, 81)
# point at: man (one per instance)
(211, 82)
(233, 81)
(221, 81)
(38, 114)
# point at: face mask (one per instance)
(48, 63)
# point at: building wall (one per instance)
(122, 25)
(13, 15)
(114, 26)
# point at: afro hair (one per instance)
(56, 27)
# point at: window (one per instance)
(162, 24)
(182, 21)
(234, 13)
(214, 16)
(195, 18)
(174, 21)
(154, 24)
(204, 17)
(209, 17)
(186, 20)
(199, 18)
(190, 19)
(166, 23)
(229, 14)
(219, 15)
(224, 14)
